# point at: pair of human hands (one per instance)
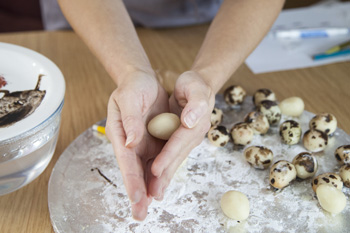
(147, 164)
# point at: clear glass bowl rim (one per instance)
(35, 129)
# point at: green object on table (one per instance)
(337, 48)
(342, 52)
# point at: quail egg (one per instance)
(342, 154)
(242, 134)
(290, 132)
(282, 173)
(292, 106)
(305, 164)
(234, 95)
(216, 116)
(271, 110)
(235, 205)
(330, 198)
(163, 125)
(324, 122)
(258, 122)
(344, 173)
(263, 94)
(259, 157)
(218, 136)
(327, 178)
(315, 140)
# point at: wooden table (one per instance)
(324, 89)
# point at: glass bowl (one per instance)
(31, 99)
(26, 156)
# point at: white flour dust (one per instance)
(88, 202)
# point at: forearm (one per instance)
(108, 31)
(234, 33)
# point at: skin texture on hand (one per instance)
(130, 107)
(194, 101)
(147, 164)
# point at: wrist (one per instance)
(214, 80)
(120, 75)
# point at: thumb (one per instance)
(196, 107)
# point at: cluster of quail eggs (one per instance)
(328, 189)
(282, 172)
(241, 133)
(256, 122)
(322, 126)
(328, 186)
(268, 113)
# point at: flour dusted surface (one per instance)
(82, 200)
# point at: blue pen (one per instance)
(311, 33)
(343, 52)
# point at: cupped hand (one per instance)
(136, 100)
(194, 101)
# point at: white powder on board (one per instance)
(192, 200)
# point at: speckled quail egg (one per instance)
(258, 122)
(315, 140)
(218, 136)
(324, 122)
(290, 132)
(216, 116)
(271, 110)
(327, 178)
(234, 95)
(305, 164)
(258, 156)
(242, 134)
(342, 154)
(344, 173)
(263, 94)
(282, 173)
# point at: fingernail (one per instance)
(190, 119)
(135, 215)
(159, 196)
(159, 175)
(137, 197)
(129, 139)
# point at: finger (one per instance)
(194, 110)
(129, 163)
(176, 150)
(193, 94)
(158, 186)
(139, 210)
(131, 108)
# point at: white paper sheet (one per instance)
(275, 54)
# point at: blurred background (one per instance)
(27, 15)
